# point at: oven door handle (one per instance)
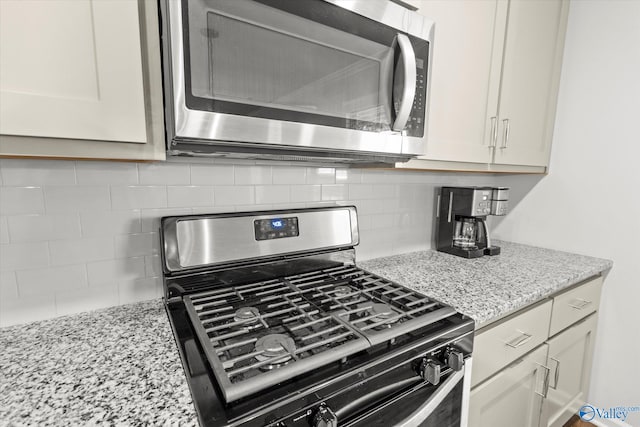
(377, 393)
(409, 90)
(422, 413)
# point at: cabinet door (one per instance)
(530, 78)
(570, 356)
(72, 69)
(512, 397)
(465, 77)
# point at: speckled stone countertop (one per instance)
(489, 288)
(117, 366)
(120, 366)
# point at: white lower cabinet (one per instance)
(542, 386)
(512, 397)
(570, 355)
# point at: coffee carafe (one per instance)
(461, 226)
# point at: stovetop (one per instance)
(259, 334)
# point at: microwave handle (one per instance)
(408, 58)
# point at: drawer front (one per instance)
(499, 346)
(573, 305)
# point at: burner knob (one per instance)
(454, 358)
(430, 371)
(325, 417)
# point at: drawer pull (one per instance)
(579, 303)
(520, 341)
(556, 376)
(545, 380)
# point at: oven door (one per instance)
(424, 405)
(300, 73)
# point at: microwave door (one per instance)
(309, 74)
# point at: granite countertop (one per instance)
(120, 366)
(489, 288)
(117, 366)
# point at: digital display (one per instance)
(419, 63)
(276, 228)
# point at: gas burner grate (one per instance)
(260, 334)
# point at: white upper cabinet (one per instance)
(80, 78)
(530, 78)
(494, 85)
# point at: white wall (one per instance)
(76, 236)
(590, 201)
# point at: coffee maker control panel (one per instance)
(482, 202)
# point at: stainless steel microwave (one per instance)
(337, 80)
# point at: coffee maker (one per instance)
(461, 219)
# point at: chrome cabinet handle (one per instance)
(556, 375)
(579, 303)
(520, 341)
(505, 135)
(545, 381)
(409, 90)
(494, 132)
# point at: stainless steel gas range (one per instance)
(276, 325)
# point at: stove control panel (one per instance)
(276, 228)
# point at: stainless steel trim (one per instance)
(409, 90)
(199, 127)
(450, 206)
(422, 413)
(505, 135)
(466, 392)
(545, 381)
(487, 233)
(494, 132)
(556, 375)
(579, 303)
(519, 341)
(210, 240)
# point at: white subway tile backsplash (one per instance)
(164, 173)
(189, 196)
(335, 192)
(348, 176)
(64, 252)
(139, 290)
(23, 173)
(306, 193)
(289, 175)
(8, 285)
(107, 173)
(69, 302)
(21, 200)
(361, 191)
(138, 197)
(113, 270)
(81, 235)
(272, 194)
(153, 266)
(209, 174)
(234, 195)
(109, 223)
(17, 256)
(28, 309)
(132, 245)
(247, 175)
(36, 228)
(77, 198)
(4, 230)
(51, 279)
(321, 176)
(150, 218)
